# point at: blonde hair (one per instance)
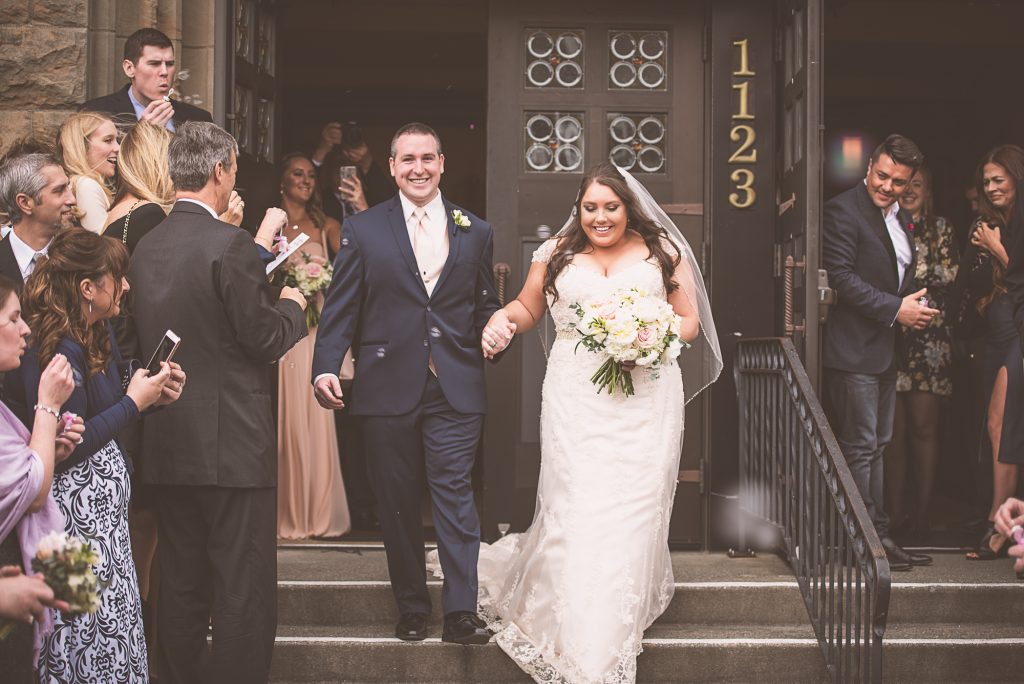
(142, 166)
(73, 147)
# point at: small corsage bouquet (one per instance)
(66, 564)
(309, 274)
(630, 327)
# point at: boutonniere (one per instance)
(910, 227)
(461, 220)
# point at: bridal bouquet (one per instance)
(309, 274)
(66, 564)
(630, 327)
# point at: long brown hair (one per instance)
(575, 239)
(52, 300)
(315, 205)
(1011, 159)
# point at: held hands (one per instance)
(987, 237)
(236, 208)
(173, 387)
(497, 334)
(273, 222)
(293, 294)
(24, 598)
(158, 112)
(56, 382)
(68, 439)
(327, 391)
(351, 190)
(146, 389)
(913, 314)
(1009, 514)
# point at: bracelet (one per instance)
(47, 409)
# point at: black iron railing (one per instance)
(794, 477)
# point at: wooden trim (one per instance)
(692, 209)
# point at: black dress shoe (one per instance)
(465, 628)
(918, 559)
(412, 627)
(899, 560)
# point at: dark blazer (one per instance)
(9, 265)
(377, 305)
(860, 334)
(120, 108)
(202, 278)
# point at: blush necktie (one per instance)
(431, 253)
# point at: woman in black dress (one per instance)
(995, 234)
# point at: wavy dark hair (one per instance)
(575, 239)
(315, 205)
(52, 300)
(1011, 158)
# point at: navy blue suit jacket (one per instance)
(860, 335)
(377, 305)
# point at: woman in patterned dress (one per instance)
(925, 365)
(69, 301)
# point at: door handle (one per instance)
(501, 274)
(788, 267)
(826, 295)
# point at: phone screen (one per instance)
(163, 352)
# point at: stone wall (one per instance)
(55, 54)
(43, 58)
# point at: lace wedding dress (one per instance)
(571, 597)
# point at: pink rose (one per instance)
(314, 270)
(646, 336)
(607, 310)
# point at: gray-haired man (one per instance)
(213, 454)
(36, 197)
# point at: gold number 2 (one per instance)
(741, 156)
(744, 180)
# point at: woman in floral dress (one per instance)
(925, 363)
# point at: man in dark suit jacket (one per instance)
(868, 250)
(412, 292)
(214, 453)
(150, 66)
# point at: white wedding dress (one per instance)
(571, 597)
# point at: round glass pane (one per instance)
(622, 129)
(652, 75)
(539, 157)
(568, 158)
(651, 159)
(569, 74)
(652, 46)
(539, 44)
(623, 46)
(623, 74)
(569, 45)
(651, 130)
(623, 155)
(568, 129)
(539, 127)
(540, 73)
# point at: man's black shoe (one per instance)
(465, 628)
(899, 560)
(412, 627)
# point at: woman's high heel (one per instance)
(985, 551)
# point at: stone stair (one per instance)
(731, 620)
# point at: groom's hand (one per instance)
(328, 392)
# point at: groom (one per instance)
(411, 294)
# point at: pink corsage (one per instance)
(69, 419)
(280, 245)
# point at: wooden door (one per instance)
(568, 86)
(251, 102)
(800, 121)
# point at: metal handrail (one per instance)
(794, 477)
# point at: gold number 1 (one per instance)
(744, 66)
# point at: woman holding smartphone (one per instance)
(68, 303)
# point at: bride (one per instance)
(571, 597)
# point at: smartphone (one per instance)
(164, 352)
(346, 172)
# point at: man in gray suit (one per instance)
(868, 250)
(213, 454)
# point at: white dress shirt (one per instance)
(140, 108)
(204, 205)
(900, 240)
(25, 255)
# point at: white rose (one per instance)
(627, 354)
(647, 310)
(673, 349)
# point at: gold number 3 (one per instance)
(744, 179)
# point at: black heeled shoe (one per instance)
(985, 552)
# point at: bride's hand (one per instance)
(627, 365)
(497, 334)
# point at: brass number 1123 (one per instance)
(743, 133)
